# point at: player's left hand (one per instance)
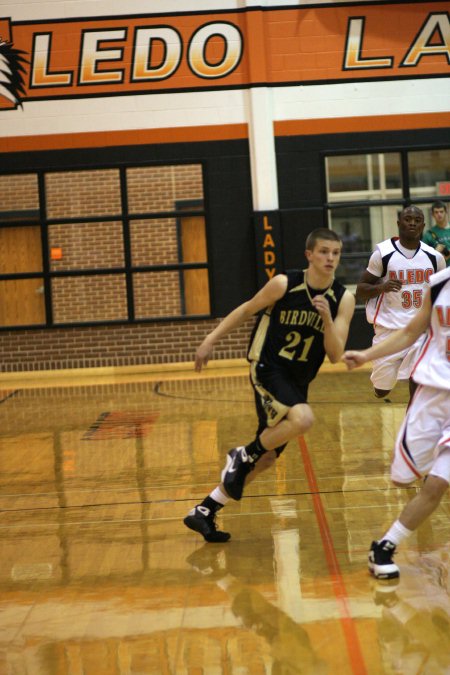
(323, 307)
(353, 359)
(202, 356)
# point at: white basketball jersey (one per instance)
(432, 367)
(395, 309)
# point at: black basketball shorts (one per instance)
(276, 392)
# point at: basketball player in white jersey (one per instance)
(423, 443)
(393, 288)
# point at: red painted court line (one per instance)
(350, 634)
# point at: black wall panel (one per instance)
(231, 235)
(300, 158)
(296, 225)
(228, 199)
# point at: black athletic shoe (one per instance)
(381, 564)
(238, 466)
(202, 520)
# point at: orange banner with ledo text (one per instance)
(125, 55)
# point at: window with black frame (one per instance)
(365, 192)
(103, 245)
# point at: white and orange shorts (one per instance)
(423, 441)
(388, 369)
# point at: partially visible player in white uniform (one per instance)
(423, 443)
(393, 287)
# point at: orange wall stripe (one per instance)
(339, 125)
(101, 139)
(223, 132)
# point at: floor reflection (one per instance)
(98, 574)
(287, 646)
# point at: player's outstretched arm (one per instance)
(355, 359)
(399, 340)
(267, 296)
(335, 332)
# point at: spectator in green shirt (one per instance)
(438, 235)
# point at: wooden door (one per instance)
(21, 300)
(196, 284)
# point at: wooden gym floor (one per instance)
(99, 576)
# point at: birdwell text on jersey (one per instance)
(295, 317)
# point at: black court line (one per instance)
(13, 393)
(156, 390)
(183, 500)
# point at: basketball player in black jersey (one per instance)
(304, 316)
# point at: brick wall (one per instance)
(156, 188)
(19, 192)
(87, 245)
(154, 242)
(90, 246)
(96, 298)
(114, 346)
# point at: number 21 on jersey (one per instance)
(295, 345)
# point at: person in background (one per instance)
(438, 235)
(422, 449)
(304, 315)
(393, 287)
(352, 248)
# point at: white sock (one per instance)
(397, 533)
(218, 496)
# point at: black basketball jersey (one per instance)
(290, 332)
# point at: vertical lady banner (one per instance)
(269, 257)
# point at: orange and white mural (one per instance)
(98, 57)
(127, 73)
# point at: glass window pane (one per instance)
(157, 294)
(427, 169)
(163, 241)
(375, 176)
(392, 171)
(86, 246)
(154, 242)
(361, 228)
(19, 195)
(22, 302)
(20, 250)
(71, 194)
(347, 173)
(159, 188)
(90, 298)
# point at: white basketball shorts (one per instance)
(387, 370)
(423, 441)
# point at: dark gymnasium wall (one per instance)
(228, 202)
